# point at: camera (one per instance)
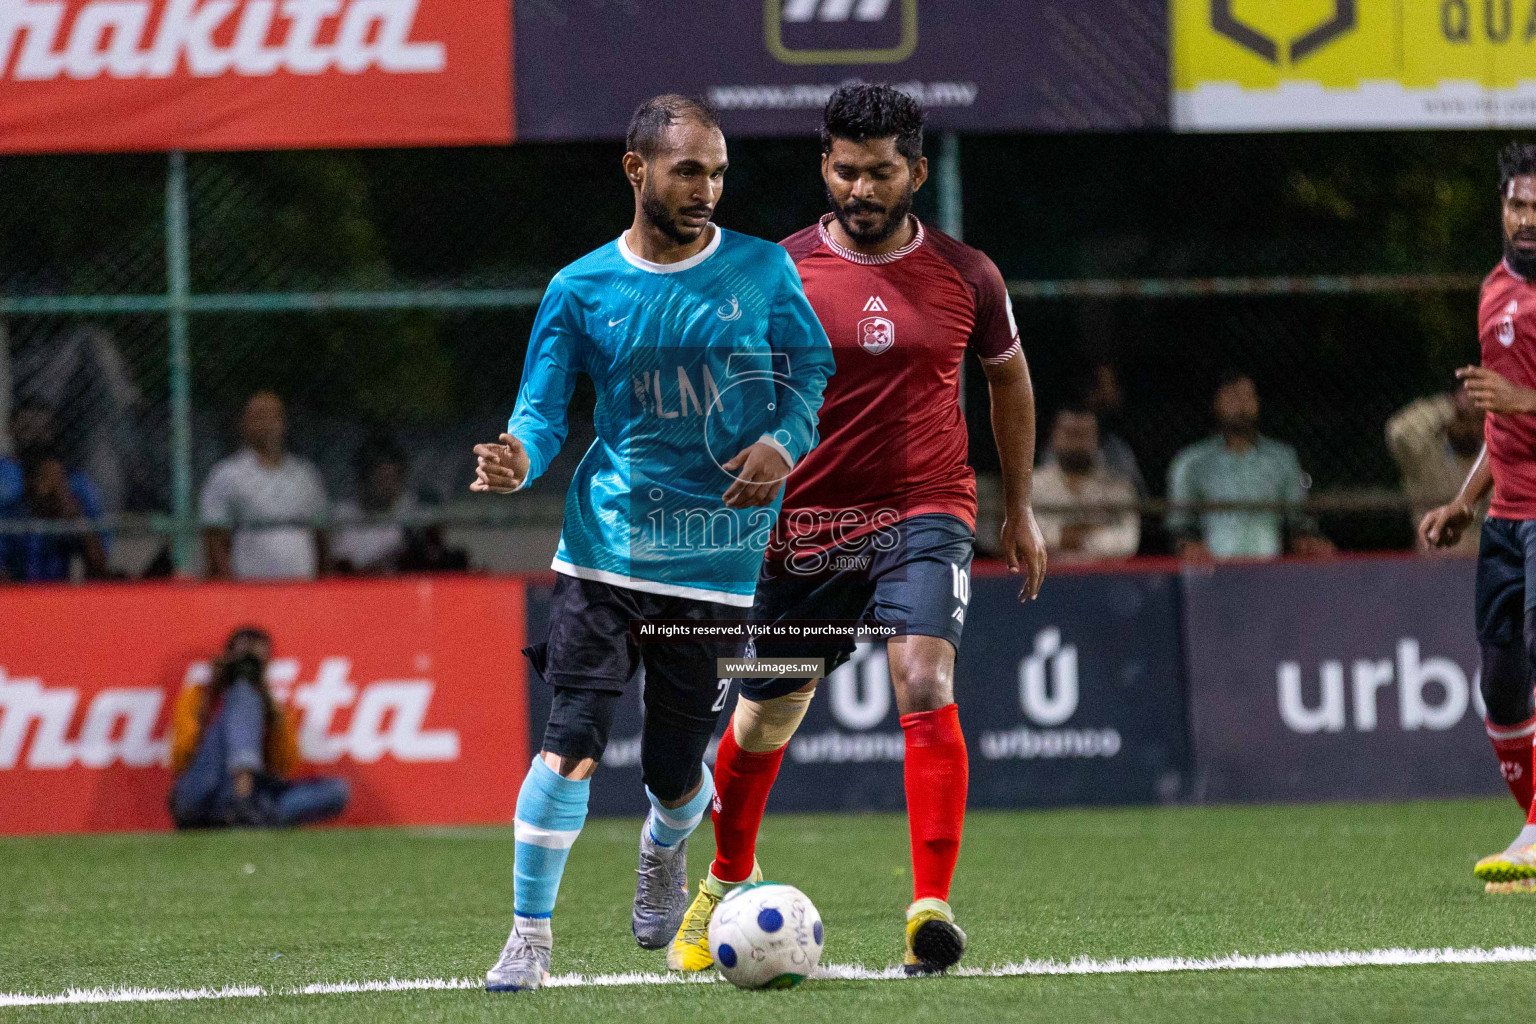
(247, 668)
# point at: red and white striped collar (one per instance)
(859, 257)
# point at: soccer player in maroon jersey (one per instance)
(1504, 387)
(879, 520)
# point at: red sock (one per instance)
(742, 782)
(1512, 745)
(937, 773)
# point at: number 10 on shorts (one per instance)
(961, 582)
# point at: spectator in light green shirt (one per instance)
(1238, 464)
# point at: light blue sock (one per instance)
(671, 825)
(550, 812)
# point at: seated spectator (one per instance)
(263, 483)
(36, 484)
(82, 368)
(233, 749)
(1240, 465)
(1099, 392)
(374, 547)
(1075, 495)
(1436, 442)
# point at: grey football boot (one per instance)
(661, 892)
(524, 963)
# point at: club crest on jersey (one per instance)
(876, 334)
(1506, 329)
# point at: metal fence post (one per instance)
(178, 302)
(951, 220)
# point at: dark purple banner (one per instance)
(1350, 681)
(990, 65)
(1076, 698)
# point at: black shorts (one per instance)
(590, 647)
(917, 578)
(1506, 579)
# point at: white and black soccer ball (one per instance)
(766, 935)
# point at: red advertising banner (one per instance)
(108, 75)
(412, 690)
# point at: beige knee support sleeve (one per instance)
(764, 727)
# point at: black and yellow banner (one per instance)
(1298, 64)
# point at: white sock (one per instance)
(1527, 837)
(535, 930)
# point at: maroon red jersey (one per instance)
(1506, 326)
(893, 439)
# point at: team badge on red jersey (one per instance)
(876, 334)
(1507, 325)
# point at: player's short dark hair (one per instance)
(1517, 160)
(859, 112)
(650, 121)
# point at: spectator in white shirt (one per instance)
(1084, 508)
(261, 483)
(358, 545)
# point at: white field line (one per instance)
(846, 972)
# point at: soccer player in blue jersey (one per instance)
(709, 366)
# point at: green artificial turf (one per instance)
(282, 910)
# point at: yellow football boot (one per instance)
(1519, 885)
(934, 942)
(690, 947)
(1509, 866)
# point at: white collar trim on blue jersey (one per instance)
(669, 268)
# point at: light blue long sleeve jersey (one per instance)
(692, 362)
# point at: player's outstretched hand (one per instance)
(759, 471)
(1442, 527)
(1492, 392)
(1024, 550)
(500, 467)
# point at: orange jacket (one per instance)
(281, 747)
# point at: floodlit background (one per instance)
(357, 205)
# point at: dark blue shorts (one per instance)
(1506, 579)
(915, 576)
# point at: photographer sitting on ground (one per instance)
(233, 749)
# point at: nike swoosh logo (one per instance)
(615, 323)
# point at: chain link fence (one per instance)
(390, 294)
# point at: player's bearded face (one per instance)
(869, 221)
(870, 185)
(684, 181)
(668, 219)
(1520, 225)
